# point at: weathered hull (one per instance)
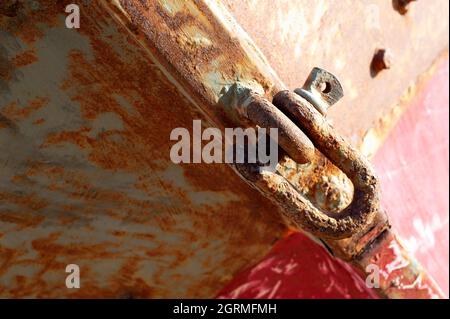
(85, 120)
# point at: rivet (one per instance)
(402, 6)
(382, 60)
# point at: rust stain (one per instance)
(6, 68)
(8, 255)
(147, 232)
(9, 8)
(14, 112)
(91, 251)
(180, 43)
(31, 202)
(39, 121)
(25, 58)
(23, 15)
(78, 137)
(297, 38)
(320, 181)
(25, 220)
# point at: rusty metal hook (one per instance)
(301, 110)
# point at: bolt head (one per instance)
(382, 60)
(402, 6)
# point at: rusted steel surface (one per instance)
(292, 268)
(365, 202)
(85, 171)
(342, 37)
(195, 42)
(92, 110)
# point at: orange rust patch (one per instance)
(39, 121)
(7, 255)
(119, 233)
(75, 137)
(135, 80)
(144, 236)
(29, 201)
(6, 69)
(117, 79)
(48, 245)
(191, 61)
(46, 14)
(23, 220)
(25, 58)
(67, 220)
(15, 113)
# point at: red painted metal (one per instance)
(297, 267)
(413, 166)
(400, 276)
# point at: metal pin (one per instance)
(322, 89)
